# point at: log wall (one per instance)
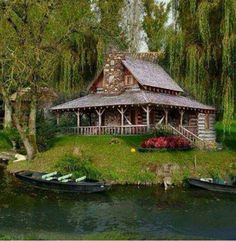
(205, 133)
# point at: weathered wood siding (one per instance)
(204, 133)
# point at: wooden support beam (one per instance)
(100, 113)
(122, 112)
(78, 118)
(147, 110)
(58, 118)
(166, 117)
(181, 117)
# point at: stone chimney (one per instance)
(114, 72)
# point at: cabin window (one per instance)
(129, 80)
(207, 122)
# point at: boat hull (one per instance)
(212, 186)
(82, 187)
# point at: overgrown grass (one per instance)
(227, 138)
(115, 161)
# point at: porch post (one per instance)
(166, 117)
(58, 118)
(100, 112)
(148, 117)
(147, 110)
(122, 112)
(78, 118)
(181, 117)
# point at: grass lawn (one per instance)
(118, 164)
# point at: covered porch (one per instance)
(138, 112)
(131, 119)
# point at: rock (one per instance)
(20, 157)
(7, 156)
(77, 151)
(167, 182)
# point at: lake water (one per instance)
(129, 212)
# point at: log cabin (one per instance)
(132, 94)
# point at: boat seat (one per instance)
(80, 179)
(64, 177)
(66, 180)
(48, 175)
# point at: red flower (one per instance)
(172, 142)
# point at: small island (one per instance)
(117, 119)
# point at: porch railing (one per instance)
(185, 133)
(107, 130)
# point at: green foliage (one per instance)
(46, 131)
(79, 166)
(200, 49)
(161, 131)
(116, 162)
(11, 136)
(154, 24)
(5, 142)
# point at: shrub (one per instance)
(161, 131)
(78, 166)
(169, 142)
(46, 131)
(12, 136)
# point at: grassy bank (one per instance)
(118, 164)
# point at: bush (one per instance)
(169, 142)
(12, 136)
(78, 166)
(161, 131)
(46, 131)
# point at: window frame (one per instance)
(129, 80)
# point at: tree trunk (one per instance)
(29, 147)
(32, 123)
(7, 115)
(7, 109)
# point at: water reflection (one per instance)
(148, 212)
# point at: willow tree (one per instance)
(78, 58)
(131, 23)
(200, 51)
(109, 31)
(154, 24)
(31, 40)
(85, 48)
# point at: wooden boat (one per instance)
(86, 186)
(211, 185)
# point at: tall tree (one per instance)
(132, 17)
(31, 38)
(110, 32)
(154, 24)
(200, 51)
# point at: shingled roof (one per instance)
(132, 98)
(150, 74)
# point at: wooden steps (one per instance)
(188, 135)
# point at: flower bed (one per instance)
(166, 143)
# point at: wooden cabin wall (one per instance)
(204, 132)
(112, 118)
